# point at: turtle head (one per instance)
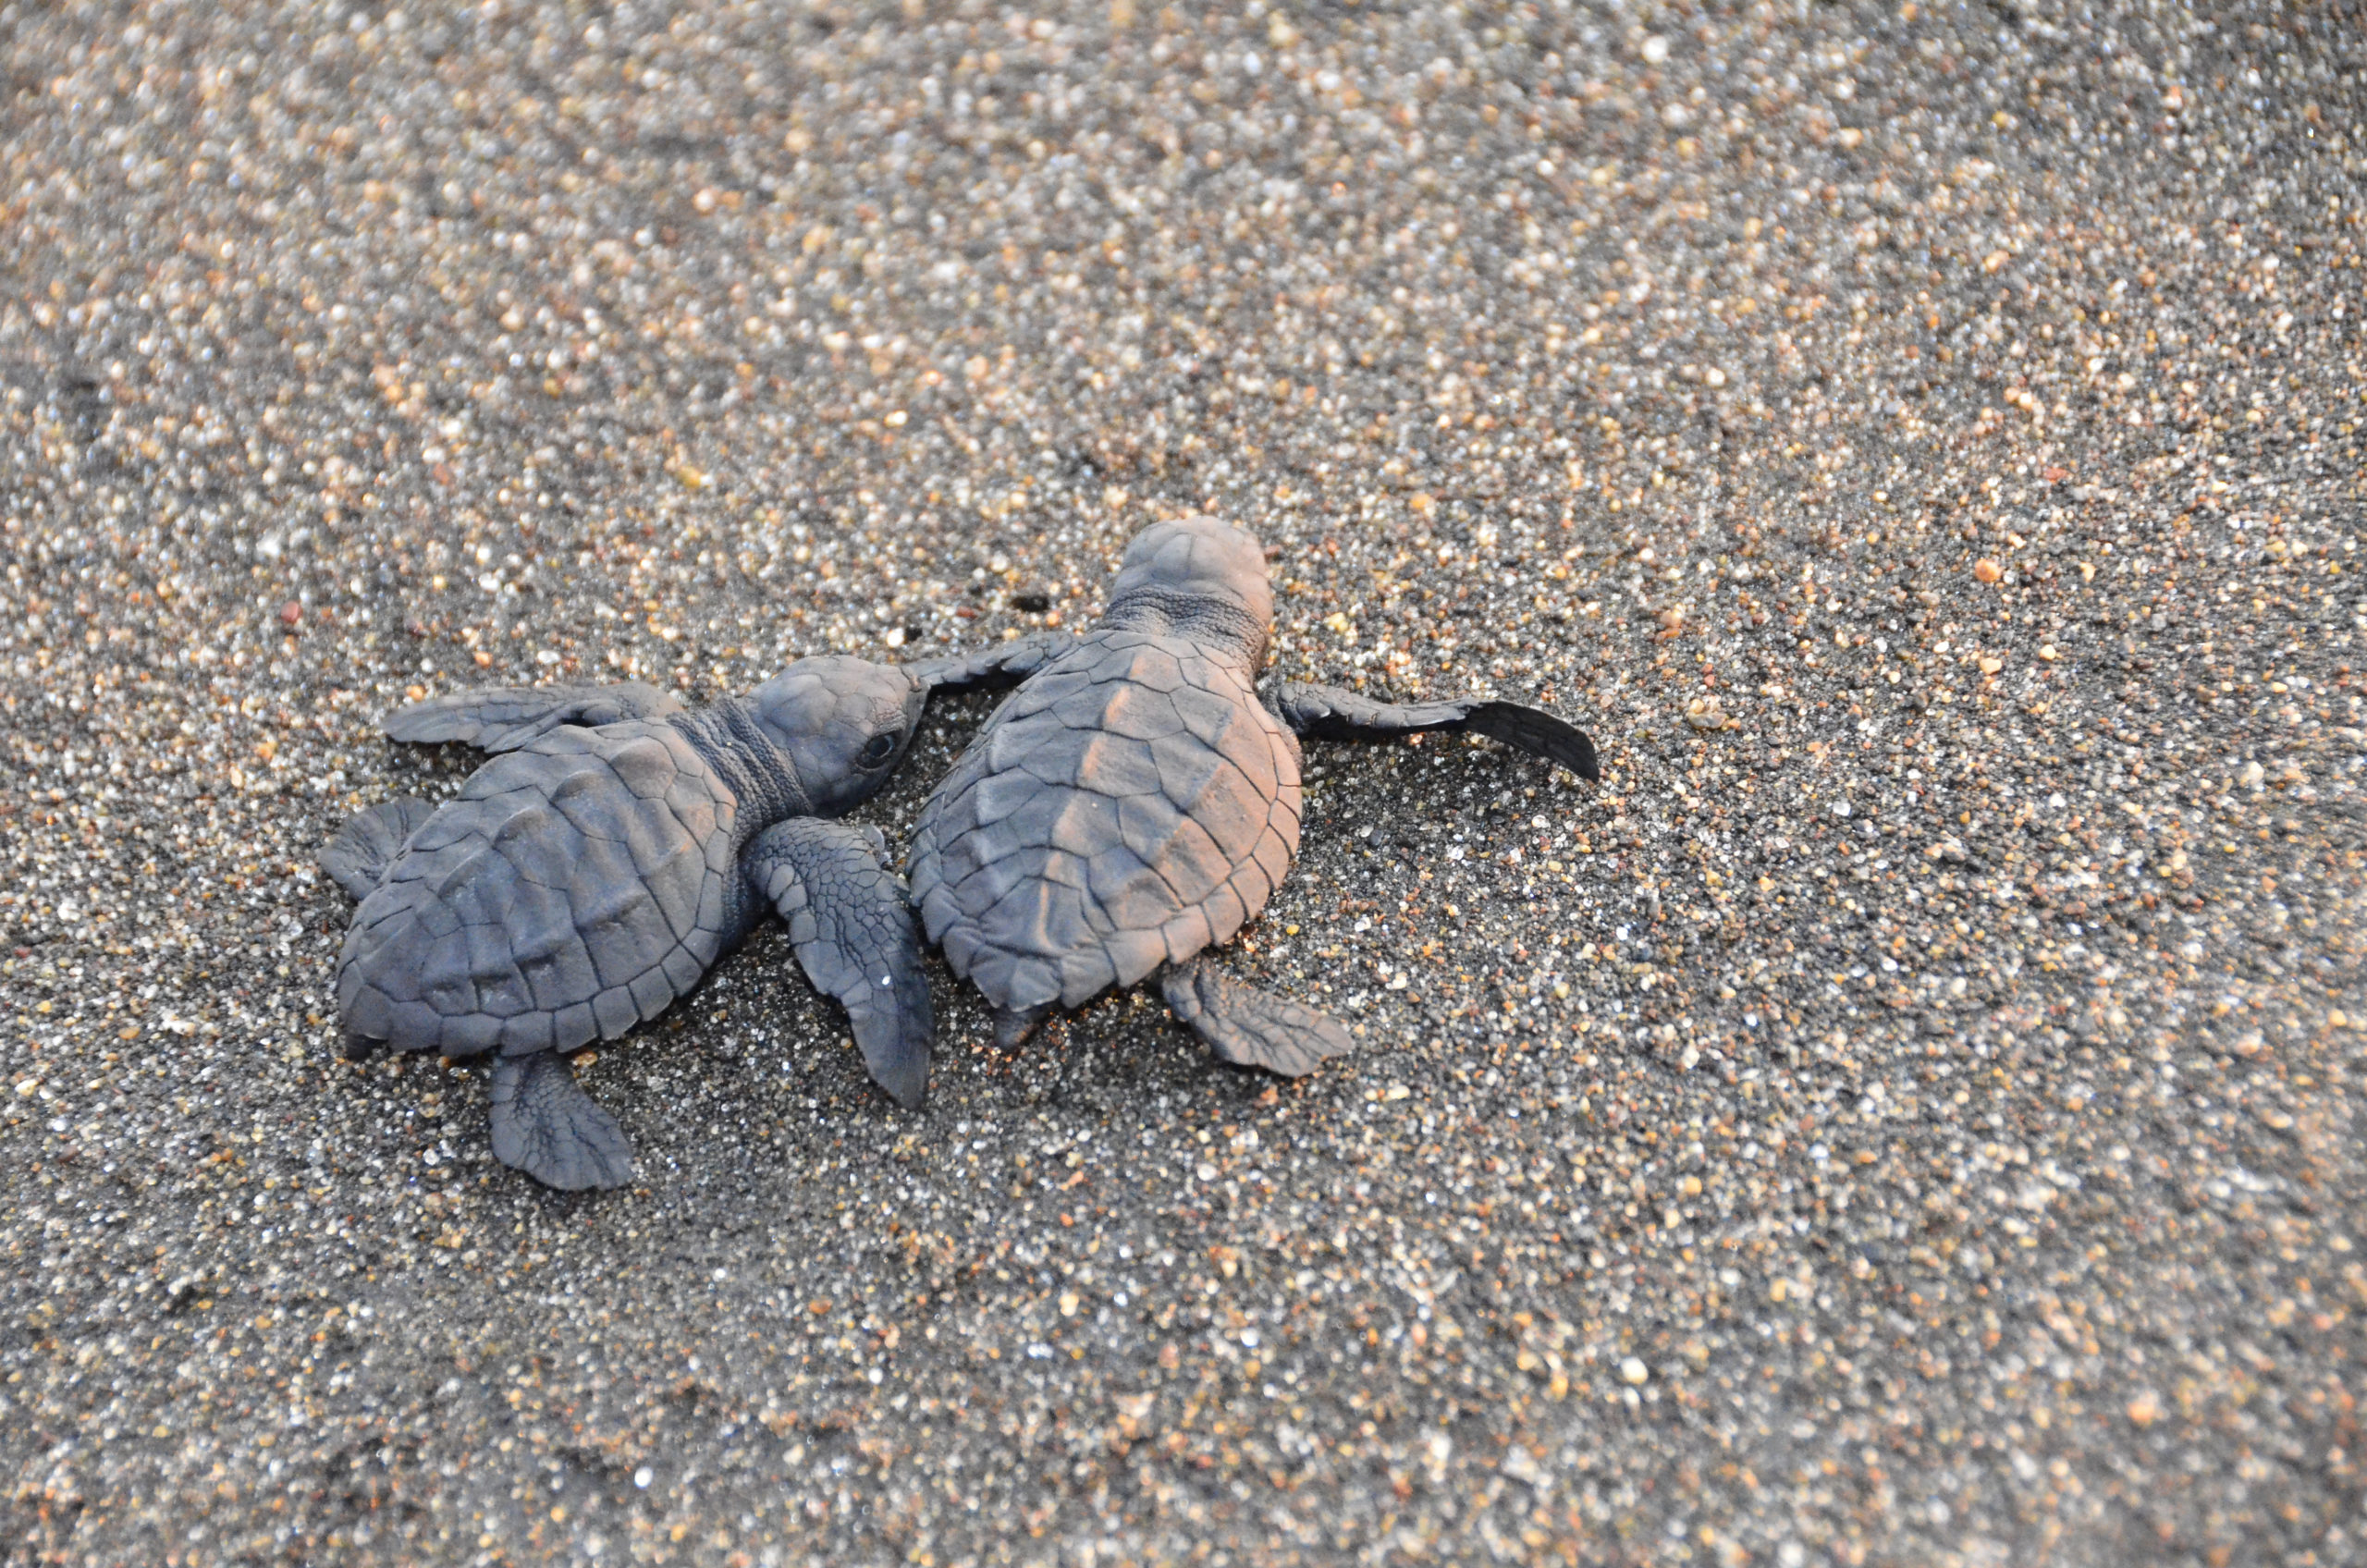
(1200, 577)
(843, 722)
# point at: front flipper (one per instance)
(502, 718)
(1250, 1027)
(849, 920)
(546, 1126)
(1005, 664)
(1327, 713)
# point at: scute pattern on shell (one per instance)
(1132, 805)
(570, 890)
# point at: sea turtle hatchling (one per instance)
(613, 851)
(1134, 803)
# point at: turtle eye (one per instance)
(877, 750)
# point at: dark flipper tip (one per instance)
(907, 1085)
(1540, 734)
(895, 1044)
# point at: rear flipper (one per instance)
(546, 1126)
(849, 920)
(1249, 1027)
(502, 718)
(1014, 1025)
(1327, 713)
(357, 858)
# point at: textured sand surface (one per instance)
(1907, 1113)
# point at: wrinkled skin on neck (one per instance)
(842, 723)
(1201, 578)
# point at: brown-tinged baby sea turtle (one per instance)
(614, 849)
(1134, 803)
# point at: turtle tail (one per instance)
(357, 858)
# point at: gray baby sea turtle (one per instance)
(592, 872)
(1134, 803)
